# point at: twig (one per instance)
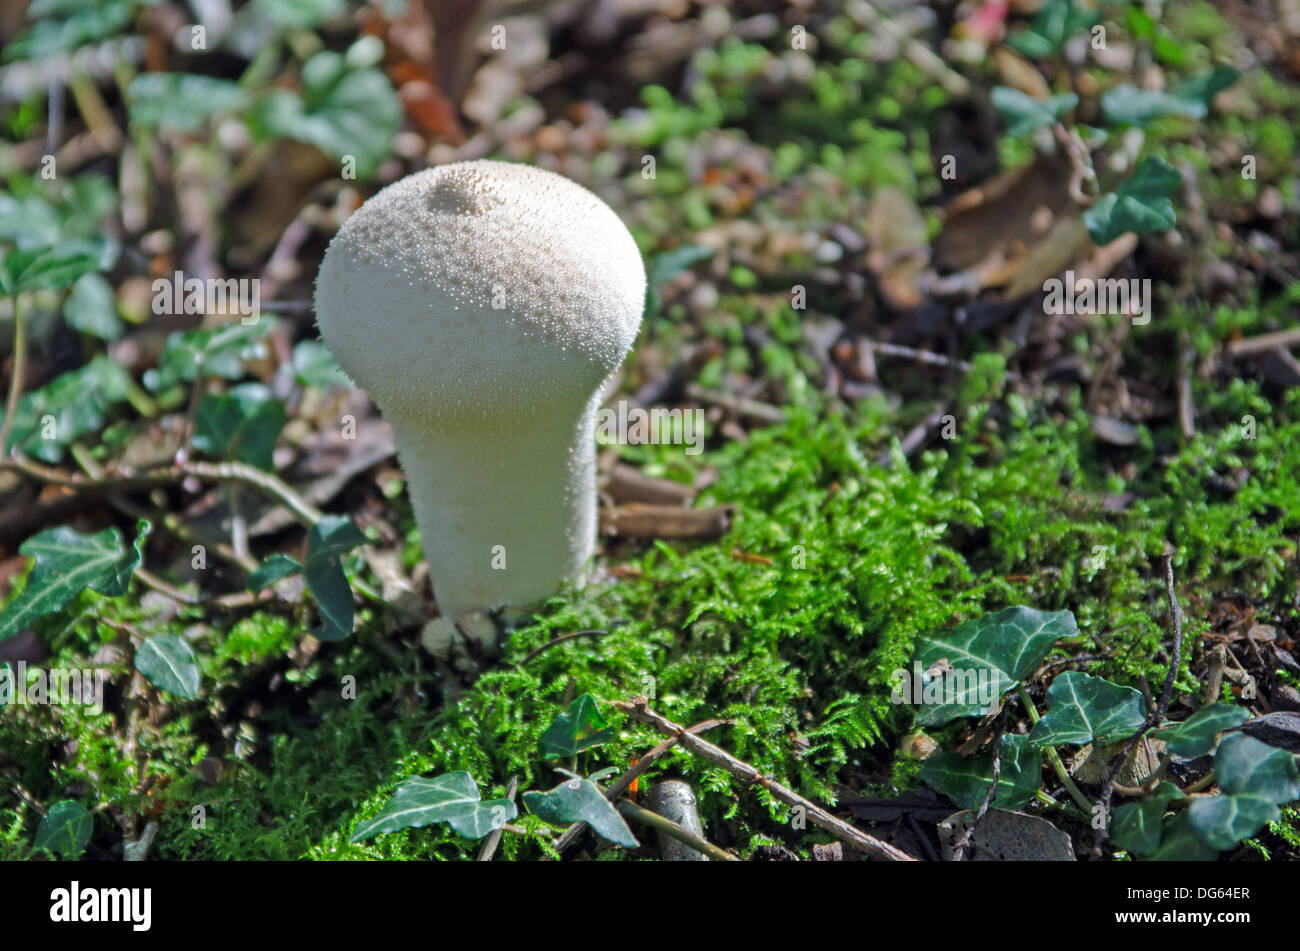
(16, 378)
(855, 837)
(964, 843)
(920, 356)
(740, 405)
(591, 632)
(1264, 342)
(1082, 173)
(494, 837)
(1157, 715)
(644, 816)
(269, 484)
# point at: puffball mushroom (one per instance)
(482, 306)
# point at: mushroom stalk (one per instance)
(533, 525)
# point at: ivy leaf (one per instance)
(1198, 734)
(966, 781)
(181, 101)
(578, 800)
(1137, 825)
(222, 352)
(92, 308)
(276, 568)
(564, 736)
(1140, 204)
(300, 14)
(1004, 647)
(68, 562)
(65, 829)
(341, 111)
(44, 268)
(314, 365)
(1086, 709)
(329, 539)
(73, 405)
(242, 424)
(1254, 778)
(668, 265)
(1178, 843)
(1023, 113)
(1126, 104)
(1055, 23)
(63, 25)
(169, 664)
(452, 798)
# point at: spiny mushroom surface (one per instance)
(482, 306)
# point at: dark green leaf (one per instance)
(63, 26)
(1086, 709)
(276, 568)
(169, 664)
(1137, 825)
(452, 798)
(300, 14)
(1199, 733)
(1141, 204)
(1024, 113)
(578, 800)
(181, 101)
(327, 541)
(314, 365)
(577, 729)
(1003, 648)
(1056, 22)
(1178, 843)
(242, 423)
(67, 563)
(1254, 778)
(966, 781)
(1128, 104)
(43, 269)
(65, 829)
(72, 406)
(92, 308)
(342, 112)
(191, 354)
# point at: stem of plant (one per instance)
(16, 379)
(1054, 758)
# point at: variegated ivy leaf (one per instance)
(452, 798)
(1086, 709)
(982, 659)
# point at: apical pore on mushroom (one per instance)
(482, 306)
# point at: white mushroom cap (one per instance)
(405, 296)
(482, 305)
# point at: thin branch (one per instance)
(590, 632)
(266, 482)
(16, 378)
(851, 835)
(964, 843)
